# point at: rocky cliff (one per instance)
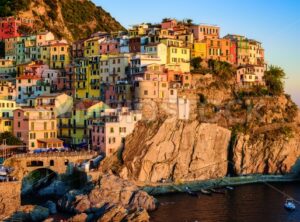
(70, 19)
(175, 150)
(231, 130)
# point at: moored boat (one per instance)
(290, 205)
(191, 193)
(206, 192)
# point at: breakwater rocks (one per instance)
(114, 199)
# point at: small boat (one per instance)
(217, 191)
(206, 192)
(191, 193)
(229, 188)
(290, 205)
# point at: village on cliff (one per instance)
(89, 94)
(157, 108)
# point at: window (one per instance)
(145, 92)
(112, 130)
(32, 144)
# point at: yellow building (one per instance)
(59, 55)
(6, 115)
(177, 54)
(73, 128)
(138, 30)
(56, 54)
(7, 66)
(90, 72)
(87, 77)
(171, 52)
(7, 90)
(92, 47)
(199, 50)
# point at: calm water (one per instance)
(248, 203)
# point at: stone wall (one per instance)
(10, 198)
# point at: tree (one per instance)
(10, 139)
(274, 80)
(189, 21)
(223, 70)
(196, 63)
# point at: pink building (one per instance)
(204, 31)
(36, 68)
(109, 47)
(169, 24)
(37, 128)
(108, 94)
(108, 132)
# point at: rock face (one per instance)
(267, 153)
(111, 201)
(176, 150)
(10, 198)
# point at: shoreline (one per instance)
(161, 189)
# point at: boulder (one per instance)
(51, 207)
(79, 218)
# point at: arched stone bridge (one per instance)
(23, 164)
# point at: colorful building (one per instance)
(92, 46)
(56, 54)
(109, 46)
(6, 115)
(73, 126)
(203, 31)
(9, 26)
(28, 87)
(108, 132)
(61, 103)
(168, 24)
(249, 75)
(7, 90)
(199, 50)
(36, 127)
(7, 67)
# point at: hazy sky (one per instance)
(276, 23)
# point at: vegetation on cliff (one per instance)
(70, 19)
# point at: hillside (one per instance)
(70, 19)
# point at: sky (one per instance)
(275, 23)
